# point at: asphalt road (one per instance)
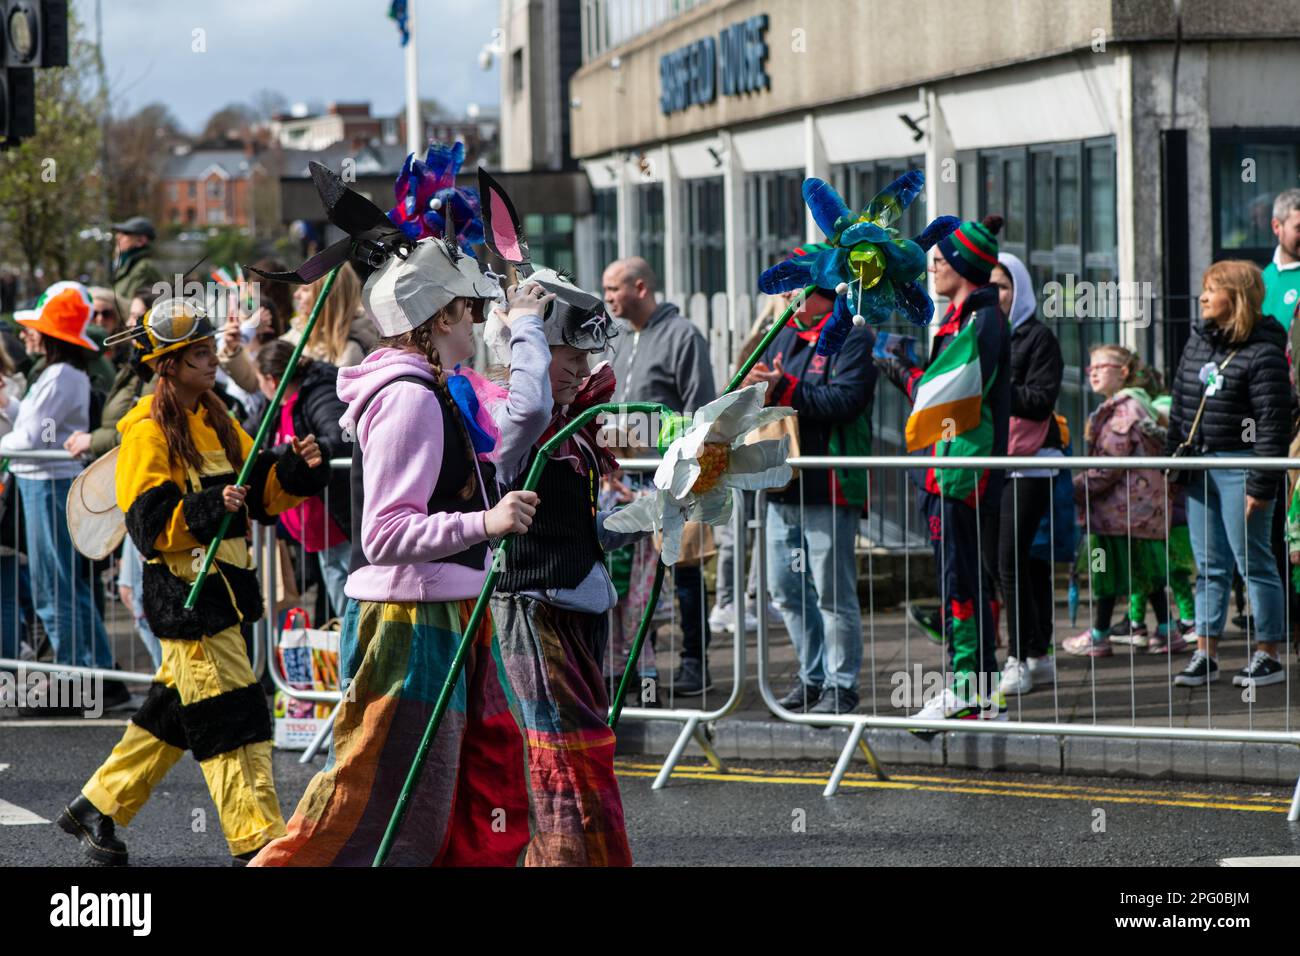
(761, 813)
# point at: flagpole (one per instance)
(414, 126)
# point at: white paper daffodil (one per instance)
(701, 466)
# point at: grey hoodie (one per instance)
(666, 362)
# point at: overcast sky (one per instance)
(320, 50)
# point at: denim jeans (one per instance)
(813, 577)
(12, 619)
(1221, 535)
(727, 560)
(61, 584)
(692, 594)
(131, 576)
(334, 562)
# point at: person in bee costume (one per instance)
(175, 481)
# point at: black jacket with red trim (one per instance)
(828, 392)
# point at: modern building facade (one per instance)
(1127, 143)
(541, 49)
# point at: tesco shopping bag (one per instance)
(309, 660)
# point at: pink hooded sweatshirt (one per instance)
(402, 541)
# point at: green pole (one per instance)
(262, 431)
(642, 629)
(476, 617)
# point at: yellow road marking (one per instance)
(1000, 788)
(922, 778)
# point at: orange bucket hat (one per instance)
(63, 311)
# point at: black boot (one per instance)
(115, 694)
(94, 830)
(692, 678)
(242, 859)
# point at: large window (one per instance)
(704, 236)
(1250, 167)
(1058, 203)
(774, 220)
(605, 202)
(550, 240)
(858, 184)
(650, 226)
(610, 23)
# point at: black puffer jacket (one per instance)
(1036, 371)
(1254, 388)
(317, 412)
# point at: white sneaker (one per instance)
(1042, 670)
(1016, 678)
(948, 705)
(720, 618)
(751, 620)
(26, 652)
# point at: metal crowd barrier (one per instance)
(137, 667)
(697, 722)
(858, 723)
(67, 614)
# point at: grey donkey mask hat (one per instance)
(405, 281)
(574, 317)
(408, 289)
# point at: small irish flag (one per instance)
(947, 398)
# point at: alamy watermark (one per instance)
(916, 688)
(1074, 299)
(219, 299)
(36, 690)
(133, 911)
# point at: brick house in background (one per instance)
(209, 187)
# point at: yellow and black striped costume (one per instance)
(204, 697)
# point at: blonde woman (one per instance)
(1235, 363)
(344, 334)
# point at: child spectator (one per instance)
(1123, 510)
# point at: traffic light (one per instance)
(35, 32)
(17, 105)
(33, 35)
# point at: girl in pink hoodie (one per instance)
(427, 441)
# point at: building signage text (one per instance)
(692, 74)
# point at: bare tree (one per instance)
(229, 122)
(137, 148)
(266, 103)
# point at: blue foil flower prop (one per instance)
(874, 274)
(426, 195)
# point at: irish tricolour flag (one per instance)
(947, 397)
